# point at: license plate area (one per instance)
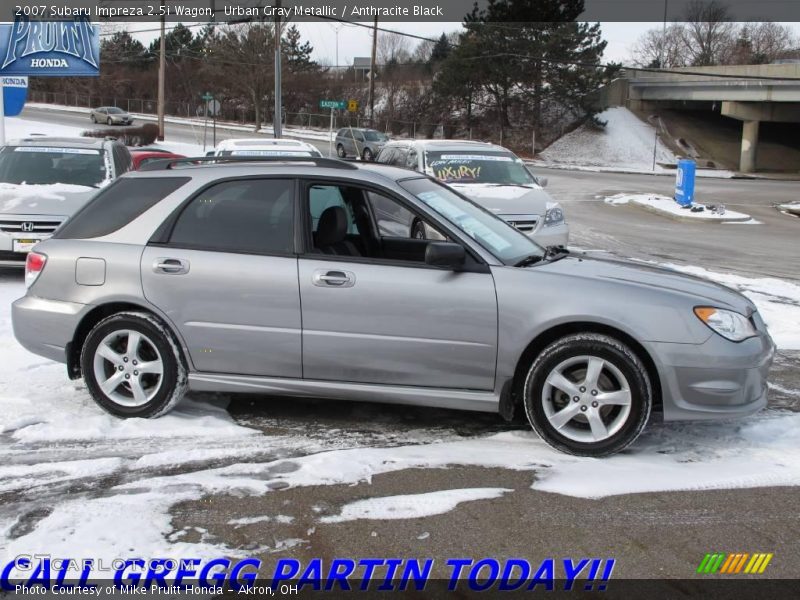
(24, 245)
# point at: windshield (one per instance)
(44, 166)
(115, 111)
(491, 232)
(375, 136)
(477, 167)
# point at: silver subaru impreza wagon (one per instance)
(281, 276)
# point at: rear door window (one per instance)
(117, 205)
(248, 216)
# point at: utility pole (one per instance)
(161, 68)
(278, 119)
(372, 72)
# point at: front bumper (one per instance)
(714, 380)
(45, 327)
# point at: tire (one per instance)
(367, 155)
(418, 230)
(109, 121)
(105, 356)
(340, 151)
(564, 371)
(93, 118)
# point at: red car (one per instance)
(142, 156)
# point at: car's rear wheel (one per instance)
(367, 154)
(340, 151)
(132, 366)
(588, 394)
(418, 230)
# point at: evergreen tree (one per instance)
(297, 53)
(440, 50)
(123, 49)
(530, 55)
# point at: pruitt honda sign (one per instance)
(50, 48)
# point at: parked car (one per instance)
(110, 115)
(143, 156)
(275, 277)
(492, 176)
(265, 147)
(359, 142)
(44, 180)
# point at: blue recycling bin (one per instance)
(684, 182)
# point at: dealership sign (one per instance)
(50, 48)
(15, 91)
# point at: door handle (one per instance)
(171, 266)
(341, 279)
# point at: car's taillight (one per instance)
(34, 265)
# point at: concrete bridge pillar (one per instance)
(747, 159)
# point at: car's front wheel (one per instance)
(132, 366)
(340, 151)
(109, 121)
(93, 118)
(367, 155)
(588, 394)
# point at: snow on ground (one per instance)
(624, 145)
(778, 301)
(668, 207)
(792, 208)
(626, 142)
(288, 131)
(77, 481)
(412, 506)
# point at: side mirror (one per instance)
(542, 181)
(445, 254)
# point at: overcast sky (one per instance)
(355, 41)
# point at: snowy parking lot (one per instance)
(75, 481)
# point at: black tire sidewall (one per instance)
(608, 349)
(340, 151)
(367, 154)
(109, 122)
(165, 348)
(417, 225)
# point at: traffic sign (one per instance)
(207, 96)
(352, 105)
(340, 104)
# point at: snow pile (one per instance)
(778, 301)
(412, 506)
(791, 208)
(668, 207)
(625, 143)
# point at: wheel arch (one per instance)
(97, 314)
(541, 341)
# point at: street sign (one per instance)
(332, 104)
(352, 105)
(207, 96)
(213, 107)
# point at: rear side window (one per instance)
(117, 205)
(248, 216)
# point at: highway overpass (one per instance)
(751, 94)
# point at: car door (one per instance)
(383, 320)
(226, 276)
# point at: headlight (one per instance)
(553, 216)
(729, 324)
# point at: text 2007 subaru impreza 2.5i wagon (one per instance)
(279, 276)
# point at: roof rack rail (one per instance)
(169, 163)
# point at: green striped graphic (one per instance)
(711, 562)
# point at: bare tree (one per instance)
(392, 47)
(660, 48)
(763, 42)
(709, 33)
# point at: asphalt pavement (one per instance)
(652, 535)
